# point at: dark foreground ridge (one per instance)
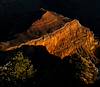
(44, 69)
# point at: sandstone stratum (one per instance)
(54, 48)
(61, 36)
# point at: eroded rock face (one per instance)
(59, 34)
(83, 68)
(51, 40)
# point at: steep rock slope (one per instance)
(59, 48)
(61, 35)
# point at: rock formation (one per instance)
(61, 35)
(51, 42)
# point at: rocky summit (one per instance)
(52, 49)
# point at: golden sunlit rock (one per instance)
(61, 35)
(53, 43)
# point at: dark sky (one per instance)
(11, 7)
(15, 13)
(86, 11)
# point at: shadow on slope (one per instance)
(51, 70)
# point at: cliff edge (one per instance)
(53, 46)
(60, 35)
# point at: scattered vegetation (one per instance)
(18, 68)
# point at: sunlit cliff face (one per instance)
(52, 41)
(60, 35)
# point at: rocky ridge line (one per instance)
(61, 36)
